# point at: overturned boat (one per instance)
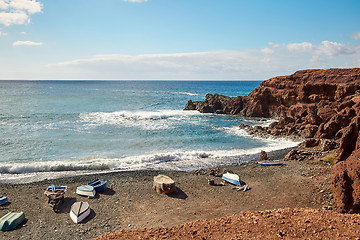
(11, 220)
(232, 178)
(86, 190)
(163, 184)
(79, 211)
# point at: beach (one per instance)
(131, 203)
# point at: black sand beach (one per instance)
(131, 203)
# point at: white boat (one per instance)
(232, 178)
(79, 211)
(86, 190)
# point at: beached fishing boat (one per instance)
(98, 184)
(11, 220)
(86, 190)
(164, 184)
(232, 178)
(3, 200)
(270, 163)
(53, 188)
(79, 211)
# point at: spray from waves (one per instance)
(147, 120)
(186, 93)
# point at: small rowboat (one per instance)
(164, 184)
(3, 200)
(52, 188)
(270, 163)
(86, 190)
(11, 220)
(232, 178)
(79, 211)
(98, 184)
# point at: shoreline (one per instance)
(131, 203)
(26, 178)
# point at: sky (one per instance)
(175, 39)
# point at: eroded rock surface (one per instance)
(320, 105)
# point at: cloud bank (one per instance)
(246, 64)
(18, 11)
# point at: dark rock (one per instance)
(264, 156)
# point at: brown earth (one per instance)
(285, 223)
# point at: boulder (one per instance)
(346, 185)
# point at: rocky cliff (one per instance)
(322, 106)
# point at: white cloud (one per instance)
(267, 50)
(3, 34)
(273, 60)
(27, 43)
(23, 33)
(326, 48)
(299, 47)
(18, 11)
(355, 36)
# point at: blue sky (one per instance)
(175, 39)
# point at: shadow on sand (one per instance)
(66, 205)
(178, 194)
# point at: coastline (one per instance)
(131, 203)
(31, 177)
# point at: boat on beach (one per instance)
(98, 184)
(86, 190)
(232, 178)
(3, 200)
(53, 188)
(163, 184)
(11, 220)
(79, 211)
(270, 163)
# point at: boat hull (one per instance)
(85, 190)
(79, 211)
(232, 178)
(98, 184)
(270, 163)
(11, 220)
(3, 200)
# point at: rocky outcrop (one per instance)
(321, 105)
(346, 184)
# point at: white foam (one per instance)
(174, 160)
(186, 93)
(147, 120)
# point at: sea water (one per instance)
(53, 128)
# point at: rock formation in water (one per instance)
(322, 106)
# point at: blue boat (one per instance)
(52, 188)
(98, 184)
(3, 200)
(270, 163)
(11, 220)
(232, 178)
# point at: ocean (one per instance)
(57, 128)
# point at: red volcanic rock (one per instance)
(346, 184)
(319, 104)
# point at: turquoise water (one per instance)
(127, 125)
